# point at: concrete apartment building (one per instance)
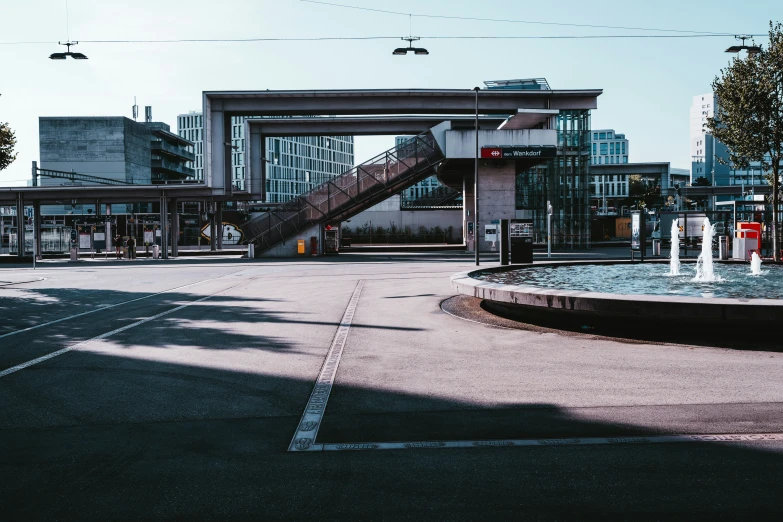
(293, 164)
(114, 148)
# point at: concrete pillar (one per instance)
(468, 216)
(37, 229)
(497, 196)
(174, 228)
(20, 219)
(219, 225)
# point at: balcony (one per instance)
(178, 152)
(171, 168)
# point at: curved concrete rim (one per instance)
(630, 305)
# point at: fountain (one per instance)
(674, 256)
(636, 291)
(704, 268)
(755, 264)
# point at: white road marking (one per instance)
(588, 441)
(306, 432)
(105, 308)
(52, 355)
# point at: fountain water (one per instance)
(704, 269)
(674, 256)
(755, 264)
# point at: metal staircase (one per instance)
(349, 193)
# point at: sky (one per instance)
(648, 83)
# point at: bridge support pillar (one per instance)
(174, 228)
(212, 227)
(497, 196)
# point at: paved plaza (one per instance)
(358, 387)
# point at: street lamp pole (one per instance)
(475, 185)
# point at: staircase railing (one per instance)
(437, 197)
(349, 193)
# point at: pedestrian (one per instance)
(130, 245)
(118, 246)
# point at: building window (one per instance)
(595, 136)
(594, 149)
(611, 148)
(602, 136)
(604, 148)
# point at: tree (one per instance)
(7, 144)
(701, 181)
(749, 115)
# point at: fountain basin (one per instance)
(586, 302)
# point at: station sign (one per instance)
(518, 152)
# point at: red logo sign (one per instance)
(491, 152)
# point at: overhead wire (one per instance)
(505, 20)
(354, 38)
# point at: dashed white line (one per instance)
(588, 441)
(306, 432)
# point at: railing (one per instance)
(179, 152)
(75, 176)
(349, 193)
(440, 197)
(171, 166)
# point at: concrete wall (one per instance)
(462, 144)
(85, 145)
(138, 153)
(410, 218)
(289, 248)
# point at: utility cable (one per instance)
(503, 20)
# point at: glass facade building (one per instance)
(564, 182)
(294, 164)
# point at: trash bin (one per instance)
(521, 241)
(723, 248)
(656, 248)
(155, 251)
(521, 250)
(251, 251)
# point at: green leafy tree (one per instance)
(7, 144)
(701, 182)
(749, 115)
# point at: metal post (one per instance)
(548, 229)
(36, 231)
(219, 225)
(212, 228)
(475, 185)
(35, 173)
(20, 225)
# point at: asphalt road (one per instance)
(173, 390)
